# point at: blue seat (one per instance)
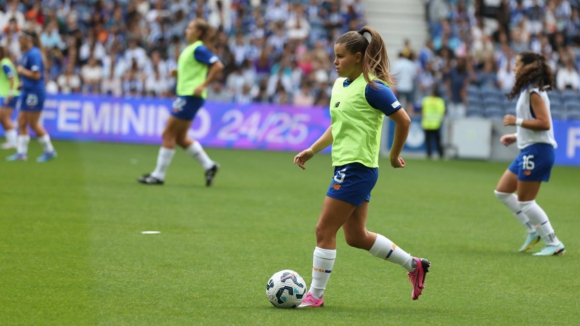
(473, 90)
(473, 99)
(558, 115)
(509, 109)
(572, 110)
(570, 96)
(492, 93)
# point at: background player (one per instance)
(535, 138)
(9, 83)
(197, 67)
(31, 100)
(360, 99)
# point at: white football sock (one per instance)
(511, 202)
(163, 160)
(197, 152)
(386, 249)
(322, 264)
(539, 218)
(46, 144)
(11, 136)
(22, 144)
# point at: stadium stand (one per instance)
(274, 51)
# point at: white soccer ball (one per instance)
(286, 289)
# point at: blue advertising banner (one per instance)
(567, 134)
(142, 120)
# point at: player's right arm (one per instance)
(321, 143)
(10, 75)
(508, 139)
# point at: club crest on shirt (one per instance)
(336, 104)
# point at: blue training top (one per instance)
(32, 60)
(204, 55)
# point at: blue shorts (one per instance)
(534, 163)
(353, 183)
(32, 101)
(186, 107)
(11, 105)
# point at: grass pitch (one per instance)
(72, 252)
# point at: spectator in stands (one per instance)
(218, 93)
(297, 26)
(91, 75)
(488, 77)
(69, 82)
(304, 97)
(405, 72)
(456, 83)
(111, 82)
(506, 76)
(135, 52)
(567, 78)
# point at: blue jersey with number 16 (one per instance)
(32, 60)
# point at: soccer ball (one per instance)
(286, 289)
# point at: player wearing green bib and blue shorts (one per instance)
(8, 98)
(197, 66)
(360, 99)
(535, 139)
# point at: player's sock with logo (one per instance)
(322, 264)
(46, 144)
(11, 136)
(22, 145)
(197, 152)
(386, 249)
(511, 202)
(163, 160)
(540, 219)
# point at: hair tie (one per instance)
(367, 36)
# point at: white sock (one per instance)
(511, 202)
(197, 152)
(387, 250)
(539, 218)
(11, 136)
(22, 144)
(322, 264)
(46, 144)
(163, 160)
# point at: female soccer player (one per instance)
(535, 139)
(31, 99)
(196, 68)
(8, 97)
(360, 99)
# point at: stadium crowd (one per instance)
(472, 50)
(273, 50)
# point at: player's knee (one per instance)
(502, 196)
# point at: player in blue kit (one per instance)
(360, 100)
(535, 139)
(197, 67)
(31, 101)
(8, 97)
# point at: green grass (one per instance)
(72, 252)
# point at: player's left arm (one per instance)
(205, 56)
(542, 120)
(383, 99)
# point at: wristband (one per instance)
(519, 121)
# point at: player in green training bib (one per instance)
(8, 98)
(360, 99)
(197, 67)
